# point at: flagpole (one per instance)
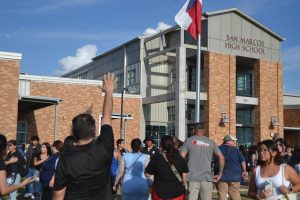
(198, 81)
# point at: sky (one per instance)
(56, 36)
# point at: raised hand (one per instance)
(109, 82)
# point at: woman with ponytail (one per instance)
(169, 170)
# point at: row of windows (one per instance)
(82, 76)
(131, 79)
(244, 81)
(243, 134)
(243, 116)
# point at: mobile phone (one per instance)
(35, 178)
(268, 186)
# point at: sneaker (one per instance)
(31, 196)
(27, 195)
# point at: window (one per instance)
(171, 129)
(244, 136)
(244, 84)
(172, 80)
(157, 132)
(171, 113)
(190, 112)
(192, 75)
(244, 116)
(21, 132)
(82, 76)
(190, 129)
(131, 77)
(120, 82)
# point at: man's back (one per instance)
(233, 159)
(200, 150)
(85, 170)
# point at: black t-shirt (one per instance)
(38, 158)
(166, 183)
(13, 167)
(2, 165)
(84, 171)
(151, 152)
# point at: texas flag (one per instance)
(189, 17)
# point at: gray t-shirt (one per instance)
(200, 150)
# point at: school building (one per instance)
(241, 83)
(241, 86)
(45, 106)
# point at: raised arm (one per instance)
(109, 82)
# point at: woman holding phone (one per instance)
(271, 178)
(4, 188)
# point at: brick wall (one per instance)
(76, 99)
(9, 86)
(220, 85)
(292, 118)
(268, 89)
(131, 106)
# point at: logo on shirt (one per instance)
(200, 143)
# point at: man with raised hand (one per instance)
(83, 173)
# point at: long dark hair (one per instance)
(48, 147)
(3, 145)
(271, 146)
(167, 145)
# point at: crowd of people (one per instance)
(88, 167)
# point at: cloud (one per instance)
(291, 58)
(160, 27)
(83, 56)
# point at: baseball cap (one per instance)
(229, 138)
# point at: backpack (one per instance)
(22, 166)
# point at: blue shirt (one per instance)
(233, 163)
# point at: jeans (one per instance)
(29, 188)
(13, 195)
(36, 186)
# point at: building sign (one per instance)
(244, 44)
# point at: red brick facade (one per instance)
(220, 85)
(292, 119)
(269, 91)
(76, 98)
(9, 86)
